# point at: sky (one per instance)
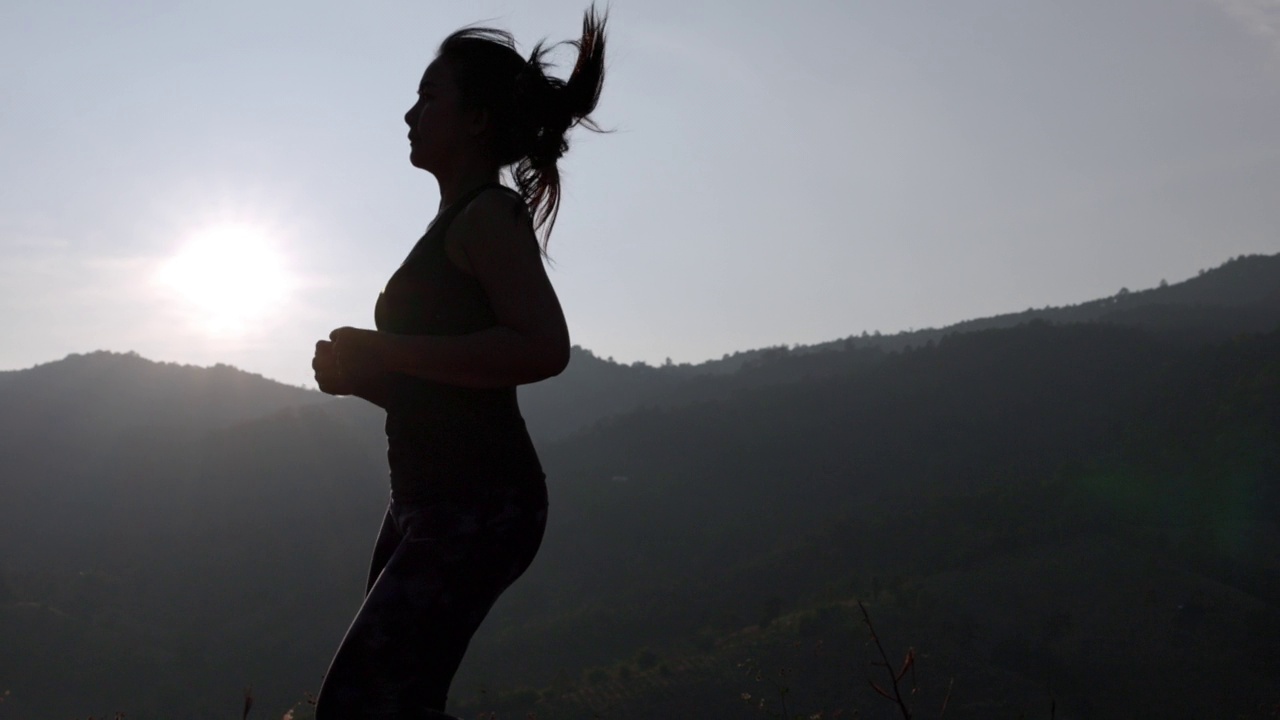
(777, 173)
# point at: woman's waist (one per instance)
(456, 422)
(422, 473)
(452, 442)
(527, 489)
(421, 400)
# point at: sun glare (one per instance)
(231, 277)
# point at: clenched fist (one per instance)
(359, 354)
(329, 376)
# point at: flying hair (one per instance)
(531, 111)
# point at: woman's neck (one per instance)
(454, 185)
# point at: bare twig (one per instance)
(907, 664)
(946, 699)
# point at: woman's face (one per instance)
(438, 126)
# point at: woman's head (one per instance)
(480, 89)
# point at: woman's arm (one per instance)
(530, 341)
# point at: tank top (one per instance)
(446, 442)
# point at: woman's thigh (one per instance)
(404, 646)
(389, 538)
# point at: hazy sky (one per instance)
(780, 172)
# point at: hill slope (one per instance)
(1092, 503)
(1242, 295)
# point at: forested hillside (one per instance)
(1080, 510)
(1242, 295)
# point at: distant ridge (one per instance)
(1247, 282)
(1240, 296)
(94, 396)
(108, 389)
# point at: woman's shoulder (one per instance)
(497, 208)
(495, 197)
(495, 222)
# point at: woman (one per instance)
(468, 316)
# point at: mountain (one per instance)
(1072, 512)
(1242, 295)
(126, 389)
(1010, 448)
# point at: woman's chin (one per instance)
(418, 159)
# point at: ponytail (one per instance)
(531, 111)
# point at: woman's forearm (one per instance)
(489, 358)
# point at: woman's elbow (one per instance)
(557, 359)
(543, 359)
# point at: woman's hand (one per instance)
(344, 366)
(359, 353)
(329, 376)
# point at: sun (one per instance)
(231, 278)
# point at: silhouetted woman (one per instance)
(467, 317)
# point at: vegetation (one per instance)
(1078, 512)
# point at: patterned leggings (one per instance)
(437, 570)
